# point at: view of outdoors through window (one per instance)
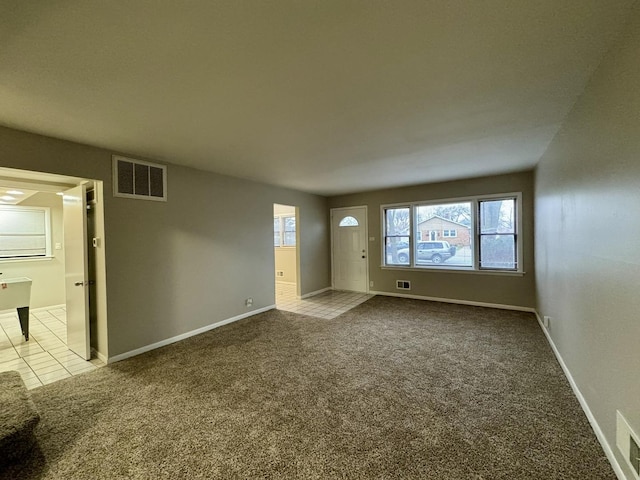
(445, 235)
(398, 225)
(284, 231)
(498, 234)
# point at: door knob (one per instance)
(79, 284)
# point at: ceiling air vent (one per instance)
(138, 179)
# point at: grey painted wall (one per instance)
(587, 237)
(177, 266)
(516, 291)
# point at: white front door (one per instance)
(349, 243)
(76, 270)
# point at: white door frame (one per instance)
(366, 243)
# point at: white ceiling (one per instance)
(325, 96)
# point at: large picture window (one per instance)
(477, 233)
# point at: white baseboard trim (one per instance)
(183, 336)
(585, 406)
(317, 292)
(456, 301)
(10, 311)
(98, 355)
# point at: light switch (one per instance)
(58, 246)
(372, 239)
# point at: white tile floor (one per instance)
(45, 358)
(327, 305)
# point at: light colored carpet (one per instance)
(395, 388)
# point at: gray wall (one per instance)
(587, 237)
(518, 291)
(177, 266)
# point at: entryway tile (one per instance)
(45, 358)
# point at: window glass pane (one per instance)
(443, 235)
(397, 250)
(289, 239)
(498, 251)
(498, 216)
(349, 222)
(398, 221)
(289, 231)
(397, 232)
(276, 232)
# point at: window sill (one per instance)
(48, 258)
(454, 270)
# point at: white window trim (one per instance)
(474, 235)
(47, 235)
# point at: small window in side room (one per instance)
(284, 231)
(24, 232)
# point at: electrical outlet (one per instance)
(248, 302)
(546, 321)
(371, 284)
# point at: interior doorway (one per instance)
(68, 274)
(286, 239)
(349, 253)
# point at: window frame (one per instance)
(47, 234)
(474, 234)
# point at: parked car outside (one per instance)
(435, 252)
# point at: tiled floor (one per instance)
(327, 305)
(45, 358)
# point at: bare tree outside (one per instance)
(398, 231)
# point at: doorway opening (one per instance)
(61, 253)
(286, 239)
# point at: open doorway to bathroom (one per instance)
(286, 240)
(52, 234)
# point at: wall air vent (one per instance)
(138, 179)
(403, 285)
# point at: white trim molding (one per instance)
(317, 292)
(456, 301)
(183, 336)
(583, 403)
